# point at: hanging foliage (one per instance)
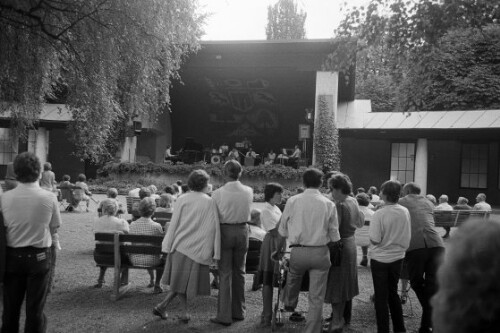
(326, 137)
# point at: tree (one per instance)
(284, 21)
(407, 32)
(108, 60)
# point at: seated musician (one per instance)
(224, 149)
(293, 159)
(271, 156)
(251, 153)
(283, 157)
(234, 155)
(169, 156)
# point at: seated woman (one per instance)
(166, 203)
(109, 223)
(83, 193)
(192, 243)
(153, 189)
(112, 193)
(146, 226)
(66, 188)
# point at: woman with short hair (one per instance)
(342, 284)
(146, 226)
(192, 243)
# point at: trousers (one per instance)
(234, 247)
(315, 260)
(27, 273)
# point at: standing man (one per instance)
(233, 202)
(31, 217)
(425, 251)
(309, 221)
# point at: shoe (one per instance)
(157, 312)
(364, 261)
(150, 285)
(98, 285)
(217, 321)
(297, 317)
(238, 319)
(157, 290)
(184, 319)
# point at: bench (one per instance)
(133, 202)
(120, 246)
(455, 218)
(163, 218)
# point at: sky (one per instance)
(247, 19)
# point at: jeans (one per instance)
(234, 247)
(422, 269)
(385, 283)
(27, 273)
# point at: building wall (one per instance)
(61, 155)
(366, 161)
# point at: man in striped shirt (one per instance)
(233, 203)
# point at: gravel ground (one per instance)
(75, 306)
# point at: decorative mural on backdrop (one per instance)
(242, 108)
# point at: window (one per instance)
(403, 162)
(7, 149)
(474, 166)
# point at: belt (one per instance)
(235, 224)
(299, 245)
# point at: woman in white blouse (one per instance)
(192, 243)
(268, 269)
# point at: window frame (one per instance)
(412, 158)
(462, 146)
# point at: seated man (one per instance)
(271, 157)
(444, 205)
(481, 203)
(294, 158)
(169, 156)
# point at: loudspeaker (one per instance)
(137, 126)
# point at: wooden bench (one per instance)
(120, 246)
(130, 203)
(455, 218)
(163, 218)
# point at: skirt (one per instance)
(268, 269)
(362, 236)
(185, 276)
(342, 283)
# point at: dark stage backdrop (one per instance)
(216, 106)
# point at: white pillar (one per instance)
(421, 158)
(38, 143)
(327, 85)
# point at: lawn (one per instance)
(75, 306)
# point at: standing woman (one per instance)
(192, 242)
(342, 284)
(269, 218)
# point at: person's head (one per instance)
(198, 180)
(250, 149)
(179, 182)
(255, 217)
(166, 200)
(147, 207)
(372, 190)
(185, 188)
(390, 191)
(112, 192)
(340, 185)
(81, 177)
(467, 298)
(462, 201)
(169, 189)
(271, 151)
(144, 193)
(312, 178)
(300, 189)
(47, 166)
(411, 188)
(27, 167)
(233, 169)
(109, 207)
(431, 198)
(327, 177)
(66, 178)
(443, 198)
(363, 199)
(152, 188)
(272, 193)
(296, 147)
(176, 189)
(481, 197)
(360, 190)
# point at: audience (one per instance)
(112, 193)
(192, 242)
(390, 237)
(425, 251)
(467, 299)
(444, 205)
(109, 223)
(462, 204)
(146, 226)
(373, 192)
(481, 203)
(166, 203)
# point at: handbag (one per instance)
(336, 253)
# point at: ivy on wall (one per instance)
(326, 136)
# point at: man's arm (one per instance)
(333, 225)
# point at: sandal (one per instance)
(162, 315)
(157, 290)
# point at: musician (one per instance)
(271, 156)
(283, 157)
(224, 149)
(294, 158)
(234, 155)
(169, 156)
(251, 153)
